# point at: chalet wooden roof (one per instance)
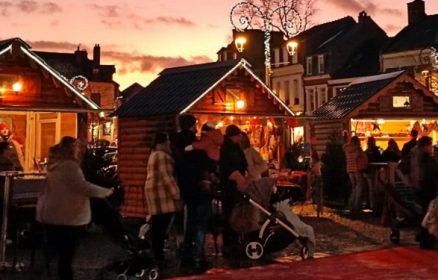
(354, 95)
(176, 90)
(18, 45)
(419, 35)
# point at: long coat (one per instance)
(65, 198)
(161, 189)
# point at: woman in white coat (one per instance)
(64, 204)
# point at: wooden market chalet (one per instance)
(384, 106)
(211, 91)
(37, 104)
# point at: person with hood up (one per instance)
(64, 203)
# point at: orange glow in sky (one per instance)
(141, 37)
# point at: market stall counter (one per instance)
(19, 197)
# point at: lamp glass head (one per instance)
(292, 47)
(240, 43)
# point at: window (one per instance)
(277, 89)
(276, 57)
(311, 98)
(309, 65)
(287, 92)
(321, 65)
(285, 56)
(401, 102)
(322, 96)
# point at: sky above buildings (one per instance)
(141, 37)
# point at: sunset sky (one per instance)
(141, 37)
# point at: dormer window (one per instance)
(321, 64)
(309, 65)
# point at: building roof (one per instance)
(319, 36)
(77, 63)
(7, 45)
(355, 94)
(176, 90)
(130, 91)
(419, 35)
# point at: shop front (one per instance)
(38, 106)
(386, 106)
(223, 92)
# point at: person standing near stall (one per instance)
(233, 169)
(64, 203)
(357, 163)
(256, 164)
(161, 192)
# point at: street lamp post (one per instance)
(285, 19)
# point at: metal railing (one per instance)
(9, 177)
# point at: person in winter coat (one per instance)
(161, 192)
(191, 167)
(256, 164)
(64, 203)
(233, 170)
(210, 142)
(356, 164)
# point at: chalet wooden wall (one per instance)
(134, 141)
(323, 131)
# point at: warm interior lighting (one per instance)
(240, 104)
(292, 47)
(16, 87)
(240, 43)
(380, 121)
(101, 114)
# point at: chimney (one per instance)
(96, 55)
(416, 11)
(80, 55)
(363, 16)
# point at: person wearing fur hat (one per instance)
(16, 154)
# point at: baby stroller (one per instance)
(278, 229)
(401, 206)
(138, 260)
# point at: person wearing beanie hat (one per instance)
(187, 122)
(16, 154)
(190, 166)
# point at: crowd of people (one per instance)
(188, 171)
(414, 165)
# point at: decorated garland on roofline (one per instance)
(80, 82)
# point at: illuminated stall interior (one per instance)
(398, 129)
(38, 106)
(385, 106)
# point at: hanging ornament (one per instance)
(376, 126)
(80, 82)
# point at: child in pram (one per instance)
(266, 228)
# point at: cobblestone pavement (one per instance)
(335, 235)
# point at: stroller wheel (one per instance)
(395, 237)
(254, 250)
(304, 253)
(122, 276)
(153, 274)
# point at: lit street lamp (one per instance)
(285, 19)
